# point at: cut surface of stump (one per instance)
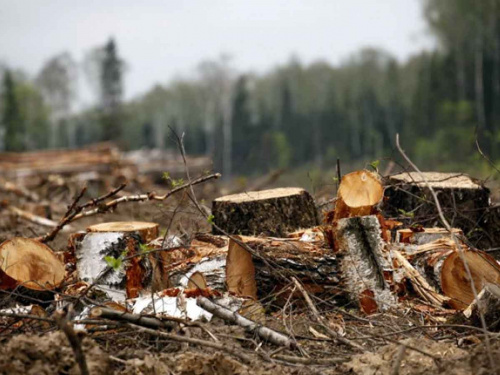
(29, 263)
(148, 231)
(359, 192)
(274, 212)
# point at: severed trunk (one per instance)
(363, 265)
(100, 257)
(358, 195)
(272, 212)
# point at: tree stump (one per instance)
(363, 264)
(358, 195)
(107, 245)
(29, 264)
(462, 199)
(272, 212)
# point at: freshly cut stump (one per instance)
(31, 264)
(363, 263)
(462, 199)
(359, 194)
(118, 240)
(273, 212)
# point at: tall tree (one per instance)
(12, 121)
(111, 87)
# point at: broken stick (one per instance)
(265, 333)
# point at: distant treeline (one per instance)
(293, 115)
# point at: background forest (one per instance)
(295, 114)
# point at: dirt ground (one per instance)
(30, 347)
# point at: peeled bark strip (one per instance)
(30, 264)
(358, 195)
(487, 304)
(117, 240)
(272, 212)
(363, 263)
(240, 272)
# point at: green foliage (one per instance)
(410, 215)
(210, 219)
(113, 262)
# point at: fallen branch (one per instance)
(143, 197)
(30, 216)
(143, 321)
(75, 343)
(265, 333)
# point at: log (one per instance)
(358, 195)
(363, 265)
(440, 262)
(272, 212)
(313, 265)
(117, 240)
(462, 199)
(30, 264)
(487, 303)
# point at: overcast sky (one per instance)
(161, 39)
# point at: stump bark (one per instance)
(118, 240)
(315, 266)
(272, 212)
(462, 199)
(363, 265)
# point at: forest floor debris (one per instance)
(299, 300)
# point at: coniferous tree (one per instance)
(12, 120)
(111, 89)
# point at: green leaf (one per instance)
(176, 183)
(374, 164)
(144, 248)
(166, 176)
(407, 214)
(210, 219)
(113, 262)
